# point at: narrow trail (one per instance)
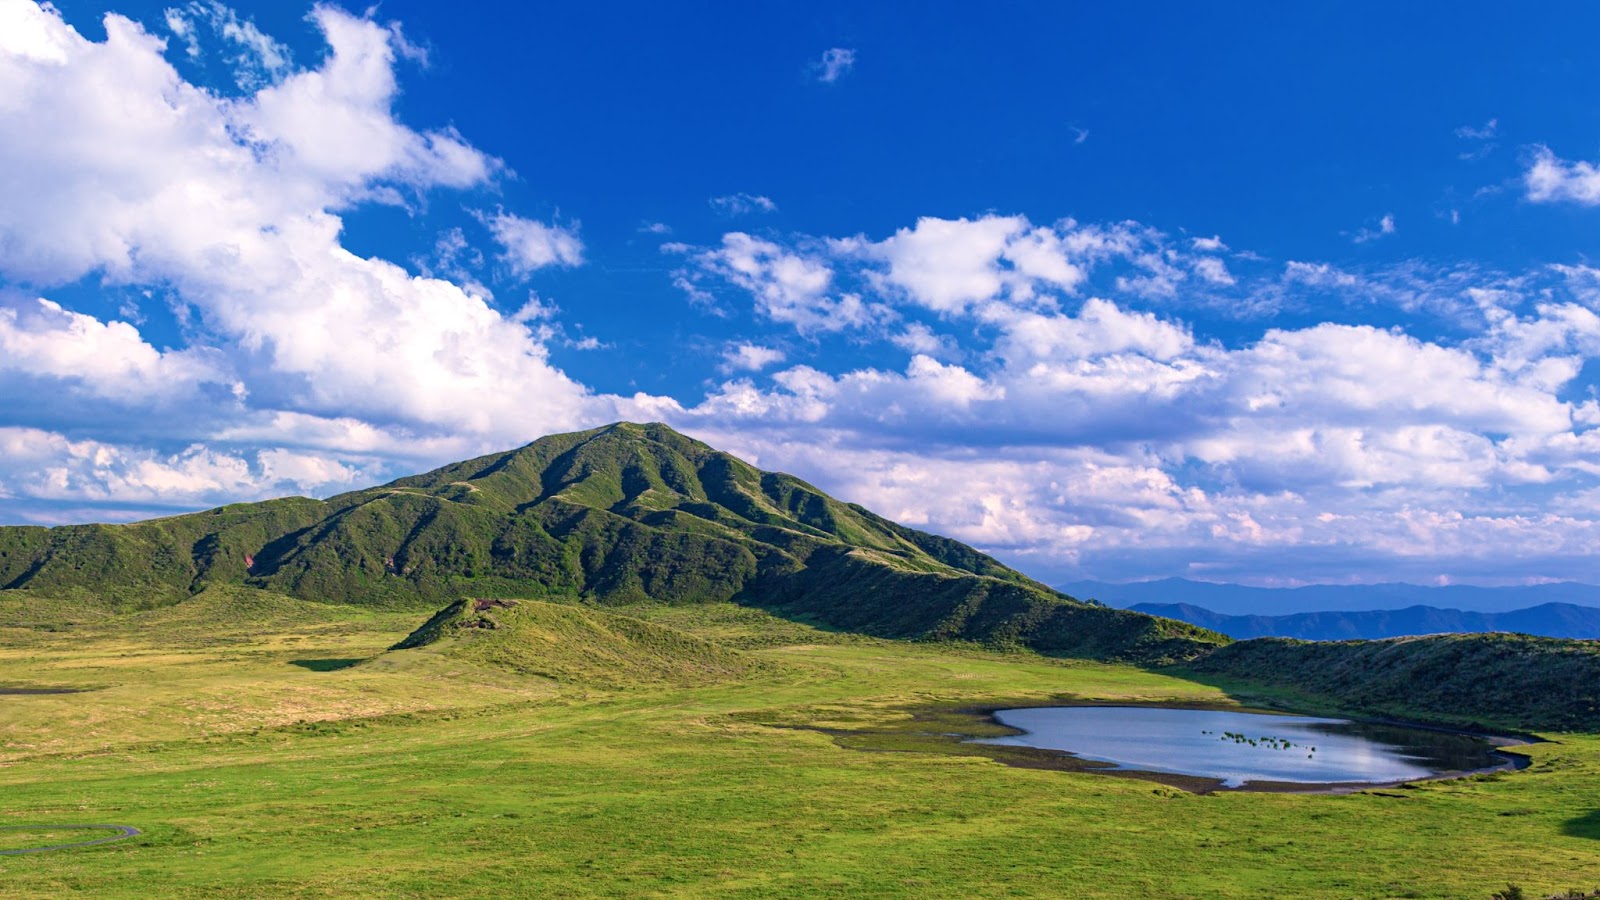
(123, 831)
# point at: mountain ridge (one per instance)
(1236, 599)
(621, 514)
(1556, 620)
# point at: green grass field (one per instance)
(269, 746)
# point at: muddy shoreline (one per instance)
(1510, 760)
(953, 729)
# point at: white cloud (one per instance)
(45, 465)
(114, 166)
(257, 59)
(1551, 179)
(1479, 133)
(1545, 350)
(1213, 270)
(1060, 401)
(127, 169)
(947, 265)
(918, 338)
(1318, 275)
(788, 287)
(105, 359)
(748, 357)
(336, 122)
(1481, 137)
(1384, 228)
(1111, 438)
(528, 245)
(1101, 328)
(1250, 444)
(742, 204)
(836, 62)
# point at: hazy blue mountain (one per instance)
(1239, 600)
(1559, 620)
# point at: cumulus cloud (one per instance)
(948, 265)
(788, 286)
(114, 166)
(41, 340)
(1049, 391)
(529, 245)
(748, 357)
(46, 465)
(1289, 443)
(918, 337)
(1551, 179)
(1107, 437)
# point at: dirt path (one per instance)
(123, 831)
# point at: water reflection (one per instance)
(1243, 747)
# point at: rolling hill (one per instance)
(1557, 620)
(623, 514)
(568, 643)
(1479, 680)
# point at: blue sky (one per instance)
(1272, 295)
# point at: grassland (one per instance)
(271, 746)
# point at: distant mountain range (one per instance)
(1559, 620)
(1238, 600)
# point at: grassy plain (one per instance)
(269, 746)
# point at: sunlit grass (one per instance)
(254, 773)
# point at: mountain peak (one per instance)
(624, 513)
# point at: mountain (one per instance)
(1558, 620)
(1235, 599)
(622, 514)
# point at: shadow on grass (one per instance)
(32, 691)
(324, 665)
(1584, 826)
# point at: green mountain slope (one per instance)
(621, 514)
(1495, 680)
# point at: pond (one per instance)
(1238, 748)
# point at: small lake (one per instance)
(1237, 747)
